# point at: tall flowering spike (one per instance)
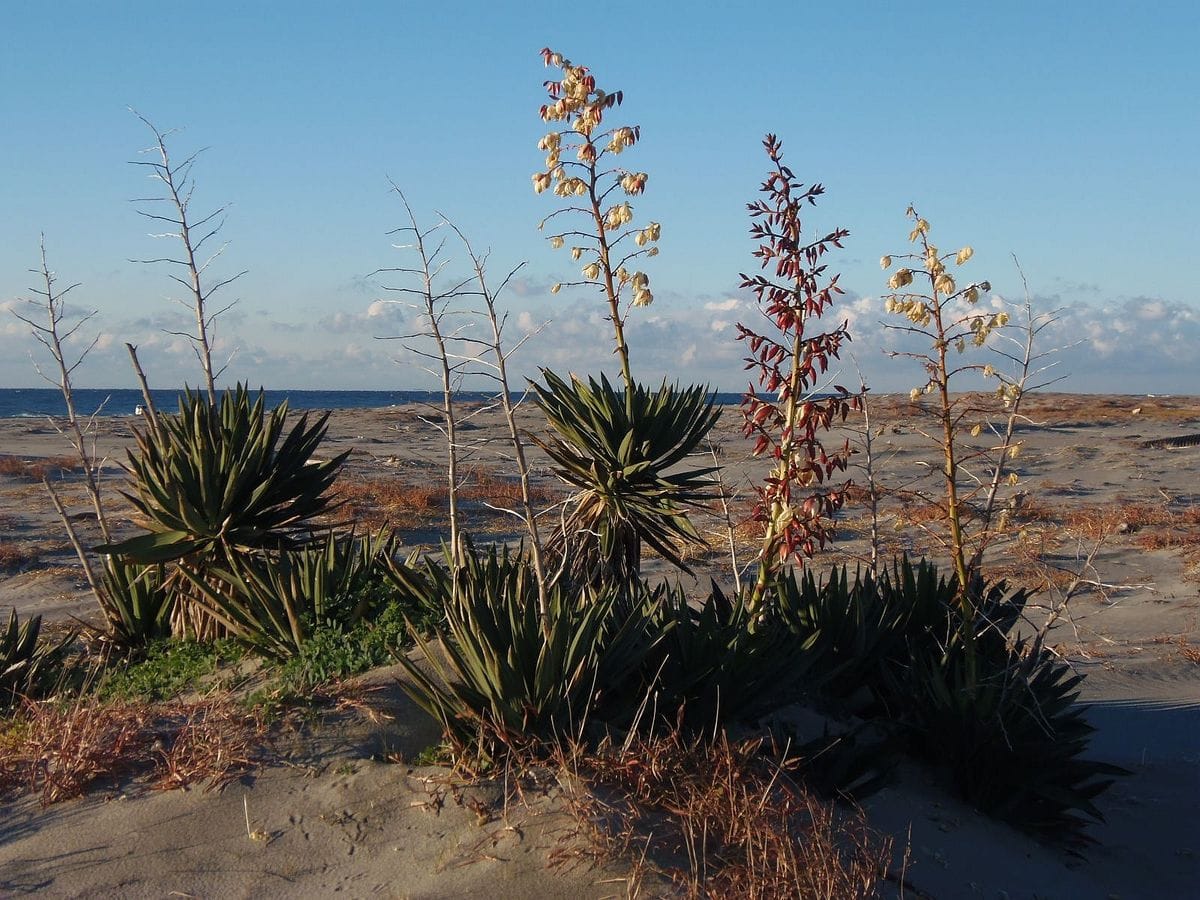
(797, 501)
(577, 172)
(937, 308)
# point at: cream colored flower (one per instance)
(963, 255)
(972, 294)
(541, 181)
(554, 289)
(885, 262)
(591, 271)
(621, 214)
(556, 242)
(576, 252)
(944, 284)
(643, 297)
(634, 183)
(914, 395)
(976, 430)
(900, 278)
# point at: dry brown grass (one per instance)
(1055, 409)
(1065, 410)
(375, 502)
(490, 487)
(1157, 525)
(61, 752)
(39, 468)
(724, 820)
(1028, 508)
(16, 555)
(921, 513)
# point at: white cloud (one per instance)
(724, 305)
(1134, 344)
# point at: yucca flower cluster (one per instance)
(575, 170)
(945, 311)
(926, 292)
(797, 501)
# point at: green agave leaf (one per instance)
(156, 547)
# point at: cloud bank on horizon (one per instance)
(1133, 345)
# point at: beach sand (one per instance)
(330, 817)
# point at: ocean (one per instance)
(16, 403)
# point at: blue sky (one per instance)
(1064, 133)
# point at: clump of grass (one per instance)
(1158, 525)
(724, 819)
(18, 555)
(489, 487)
(37, 469)
(61, 752)
(375, 502)
(922, 513)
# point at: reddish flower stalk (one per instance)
(795, 502)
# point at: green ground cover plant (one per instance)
(166, 669)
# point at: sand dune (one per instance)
(329, 817)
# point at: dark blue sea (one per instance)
(40, 402)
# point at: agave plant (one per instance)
(29, 667)
(137, 602)
(863, 628)
(710, 667)
(218, 477)
(503, 673)
(272, 602)
(618, 450)
(855, 628)
(1013, 738)
(849, 625)
(218, 482)
(999, 715)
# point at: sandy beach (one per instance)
(1103, 493)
